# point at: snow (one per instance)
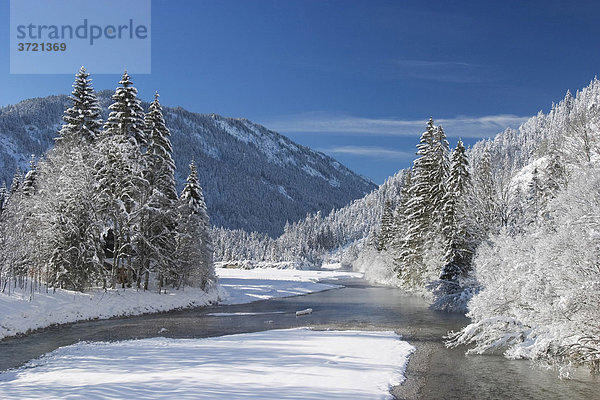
(282, 190)
(21, 312)
(313, 172)
(278, 364)
(244, 286)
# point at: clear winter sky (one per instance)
(357, 79)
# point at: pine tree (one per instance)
(121, 182)
(387, 222)
(194, 247)
(409, 264)
(83, 121)
(158, 222)
(486, 198)
(459, 241)
(16, 183)
(440, 170)
(29, 183)
(3, 197)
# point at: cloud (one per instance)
(443, 71)
(369, 151)
(461, 126)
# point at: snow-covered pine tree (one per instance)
(70, 230)
(3, 197)
(127, 115)
(83, 120)
(121, 181)
(438, 178)
(70, 227)
(16, 183)
(409, 263)
(486, 198)
(194, 247)
(456, 230)
(387, 222)
(29, 183)
(401, 214)
(159, 220)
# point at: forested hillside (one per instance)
(506, 230)
(254, 179)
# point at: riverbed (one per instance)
(434, 372)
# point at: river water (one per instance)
(434, 372)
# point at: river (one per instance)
(434, 372)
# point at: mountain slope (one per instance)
(254, 179)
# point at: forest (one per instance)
(101, 208)
(505, 231)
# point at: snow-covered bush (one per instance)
(541, 289)
(378, 267)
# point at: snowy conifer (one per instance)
(29, 183)
(83, 120)
(438, 175)
(419, 211)
(126, 118)
(194, 246)
(387, 223)
(120, 174)
(158, 224)
(459, 245)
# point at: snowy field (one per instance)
(279, 364)
(23, 311)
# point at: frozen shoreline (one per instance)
(20, 313)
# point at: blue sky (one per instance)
(357, 79)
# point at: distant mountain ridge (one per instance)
(253, 178)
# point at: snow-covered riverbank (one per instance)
(21, 312)
(278, 364)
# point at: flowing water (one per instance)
(434, 372)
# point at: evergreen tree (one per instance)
(121, 182)
(440, 167)
(16, 183)
(83, 120)
(158, 224)
(486, 197)
(127, 115)
(401, 215)
(29, 183)
(194, 246)
(3, 197)
(459, 241)
(409, 264)
(387, 222)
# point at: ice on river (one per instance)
(279, 364)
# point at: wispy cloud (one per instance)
(443, 71)
(461, 126)
(368, 151)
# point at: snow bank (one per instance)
(244, 286)
(251, 264)
(21, 312)
(279, 364)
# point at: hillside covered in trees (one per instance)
(506, 231)
(253, 178)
